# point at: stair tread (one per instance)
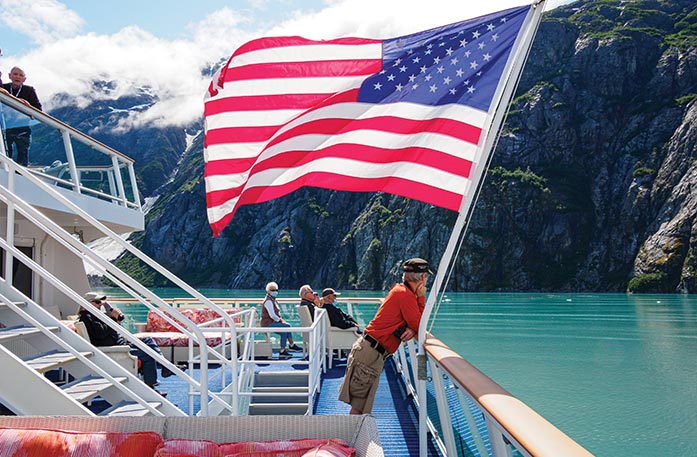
(51, 360)
(280, 389)
(87, 388)
(129, 408)
(282, 373)
(276, 405)
(20, 304)
(19, 331)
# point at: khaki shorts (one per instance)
(360, 382)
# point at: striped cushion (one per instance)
(15, 442)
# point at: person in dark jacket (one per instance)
(309, 299)
(337, 318)
(20, 135)
(103, 335)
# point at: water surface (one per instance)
(616, 372)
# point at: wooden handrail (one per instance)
(534, 433)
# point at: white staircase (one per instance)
(54, 215)
(280, 392)
(50, 370)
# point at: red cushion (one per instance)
(287, 448)
(18, 442)
(184, 448)
(157, 323)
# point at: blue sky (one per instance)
(168, 19)
(168, 46)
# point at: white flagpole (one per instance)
(497, 112)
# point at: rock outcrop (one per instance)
(590, 188)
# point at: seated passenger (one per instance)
(309, 298)
(103, 335)
(337, 318)
(271, 317)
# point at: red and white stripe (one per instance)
(283, 114)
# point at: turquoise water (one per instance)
(617, 373)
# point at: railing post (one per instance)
(71, 160)
(134, 184)
(119, 180)
(499, 448)
(112, 182)
(443, 410)
(9, 258)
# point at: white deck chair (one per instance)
(305, 321)
(339, 339)
(121, 354)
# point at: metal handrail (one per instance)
(507, 418)
(68, 133)
(69, 348)
(70, 243)
(107, 267)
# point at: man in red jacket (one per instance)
(397, 320)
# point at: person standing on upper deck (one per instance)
(397, 320)
(271, 317)
(20, 135)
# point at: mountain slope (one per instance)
(590, 188)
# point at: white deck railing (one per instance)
(125, 282)
(71, 174)
(510, 424)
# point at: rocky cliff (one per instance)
(590, 188)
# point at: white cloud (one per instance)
(42, 20)
(133, 58)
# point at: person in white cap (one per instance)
(103, 335)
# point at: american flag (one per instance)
(404, 116)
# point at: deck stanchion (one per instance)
(446, 429)
(67, 144)
(119, 180)
(134, 185)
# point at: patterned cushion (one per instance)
(186, 448)
(156, 323)
(166, 339)
(178, 339)
(287, 448)
(15, 442)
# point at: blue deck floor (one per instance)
(395, 413)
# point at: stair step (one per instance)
(19, 304)
(19, 331)
(129, 408)
(85, 389)
(295, 378)
(51, 360)
(262, 409)
(274, 389)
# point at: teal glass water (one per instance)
(615, 372)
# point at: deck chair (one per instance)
(263, 347)
(121, 354)
(339, 339)
(305, 321)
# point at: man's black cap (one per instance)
(417, 265)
